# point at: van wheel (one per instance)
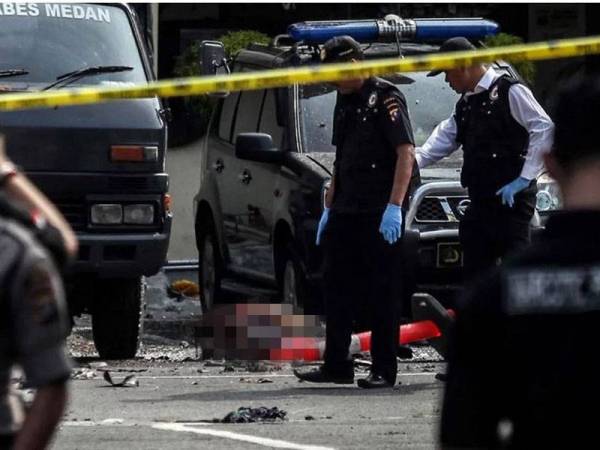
(116, 314)
(294, 287)
(209, 266)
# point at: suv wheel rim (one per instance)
(208, 272)
(289, 285)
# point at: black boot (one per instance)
(325, 375)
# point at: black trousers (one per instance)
(489, 231)
(360, 266)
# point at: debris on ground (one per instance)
(255, 380)
(247, 415)
(228, 368)
(183, 288)
(112, 421)
(362, 363)
(83, 373)
(128, 381)
(97, 365)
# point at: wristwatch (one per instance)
(7, 171)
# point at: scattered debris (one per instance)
(228, 368)
(83, 373)
(362, 362)
(261, 414)
(128, 381)
(97, 365)
(440, 376)
(183, 288)
(255, 380)
(112, 421)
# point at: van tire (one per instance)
(209, 265)
(294, 288)
(116, 317)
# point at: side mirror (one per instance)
(213, 61)
(257, 147)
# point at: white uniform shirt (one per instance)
(524, 108)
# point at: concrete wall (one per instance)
(183, 166)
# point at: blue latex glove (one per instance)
(509, 191)
(391, 223)
(322, 223)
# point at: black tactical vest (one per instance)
(365, 162)
(493, 142)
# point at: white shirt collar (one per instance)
(486, 81)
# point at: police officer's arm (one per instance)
(21, 189)
(38, 313)
(398, 132)
(526, 110)
(403, 173)
(441, 143)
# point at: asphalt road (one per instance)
(174, 405)
(175, 396)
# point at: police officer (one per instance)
(522, 365)
(32, 331)
(504, 133)
(362, 226)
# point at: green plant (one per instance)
(525, 68)
(187, 64)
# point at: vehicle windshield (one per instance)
(50, 39)
(430, 100)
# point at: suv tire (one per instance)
(209, 265)
(294, 287)
(116, 314)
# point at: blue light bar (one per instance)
(442, 29)
(316, 32)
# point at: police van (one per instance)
(103, 164)
(268, 159)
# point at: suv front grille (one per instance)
(74, 211)
(430, 210)
(436, 209)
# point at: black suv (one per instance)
(267, 160)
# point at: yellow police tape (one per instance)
(303, 75)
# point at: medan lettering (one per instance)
(553, 291)
(57, 10)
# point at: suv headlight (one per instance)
(548, 196)
(106, 214)
(139, 214)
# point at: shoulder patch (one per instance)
(392, 104)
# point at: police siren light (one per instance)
(391, 28)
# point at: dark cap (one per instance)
(340, 49)
(455, 44)
(576, 111)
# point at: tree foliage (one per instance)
(525, 68)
